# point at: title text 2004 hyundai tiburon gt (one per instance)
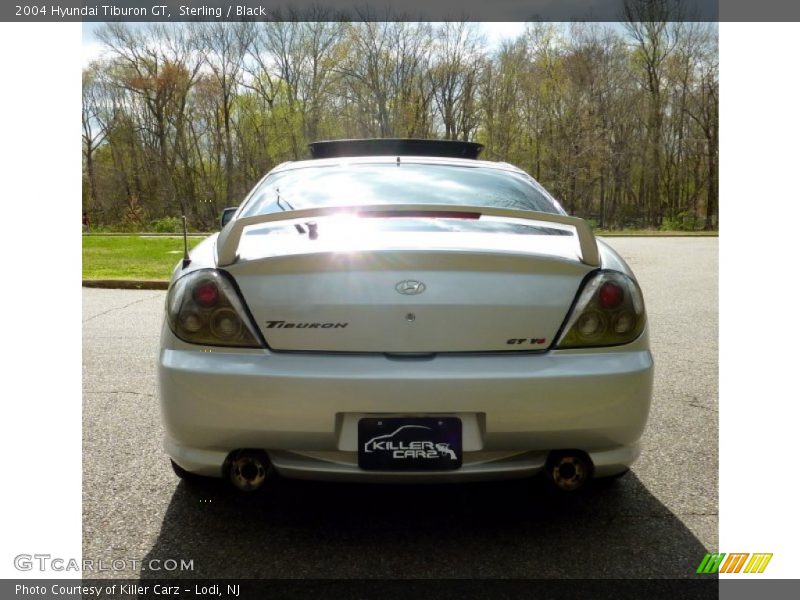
(398, 310)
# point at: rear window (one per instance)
(407, 183)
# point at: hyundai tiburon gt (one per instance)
(398, 310)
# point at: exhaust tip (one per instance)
(248, 470)
(569, 470)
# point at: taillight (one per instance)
(206, 293)
(609, 312)
(204, 308)
(610, 295)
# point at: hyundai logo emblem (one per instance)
(410, 287)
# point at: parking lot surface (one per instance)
(657, 521)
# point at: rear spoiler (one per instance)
(228, 240)
(395, 147)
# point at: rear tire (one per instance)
(618, 475)
(186, 475)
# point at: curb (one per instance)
(125, 284)
(656, 235)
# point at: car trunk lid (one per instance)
(408, 292)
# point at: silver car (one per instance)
(398, 310)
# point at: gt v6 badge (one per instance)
(409, 287)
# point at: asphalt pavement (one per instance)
(656, 521)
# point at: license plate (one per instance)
(409, 443)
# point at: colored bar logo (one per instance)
(713, 563)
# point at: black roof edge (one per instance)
(395, 147)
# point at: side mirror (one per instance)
(227, 215)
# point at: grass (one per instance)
(132, 257)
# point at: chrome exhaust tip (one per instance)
(569, 470)
(248, 469)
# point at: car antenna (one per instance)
(186, 259)
(281, 202)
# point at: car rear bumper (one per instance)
(303, 408)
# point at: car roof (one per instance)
(378, 160)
